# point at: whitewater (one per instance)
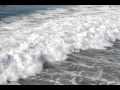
(28, 41)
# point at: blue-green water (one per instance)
(13, 10)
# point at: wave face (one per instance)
(27, 41)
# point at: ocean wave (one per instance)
(48, 36)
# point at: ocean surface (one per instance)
(60, 45)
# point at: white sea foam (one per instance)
(26, 42)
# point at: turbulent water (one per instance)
(29, 40)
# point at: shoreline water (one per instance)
(87, 67)
(77, 66)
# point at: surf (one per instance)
(28, 41)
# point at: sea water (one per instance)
(32, 35)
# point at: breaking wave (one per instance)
(27, 41)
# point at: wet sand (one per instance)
(89, 67)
